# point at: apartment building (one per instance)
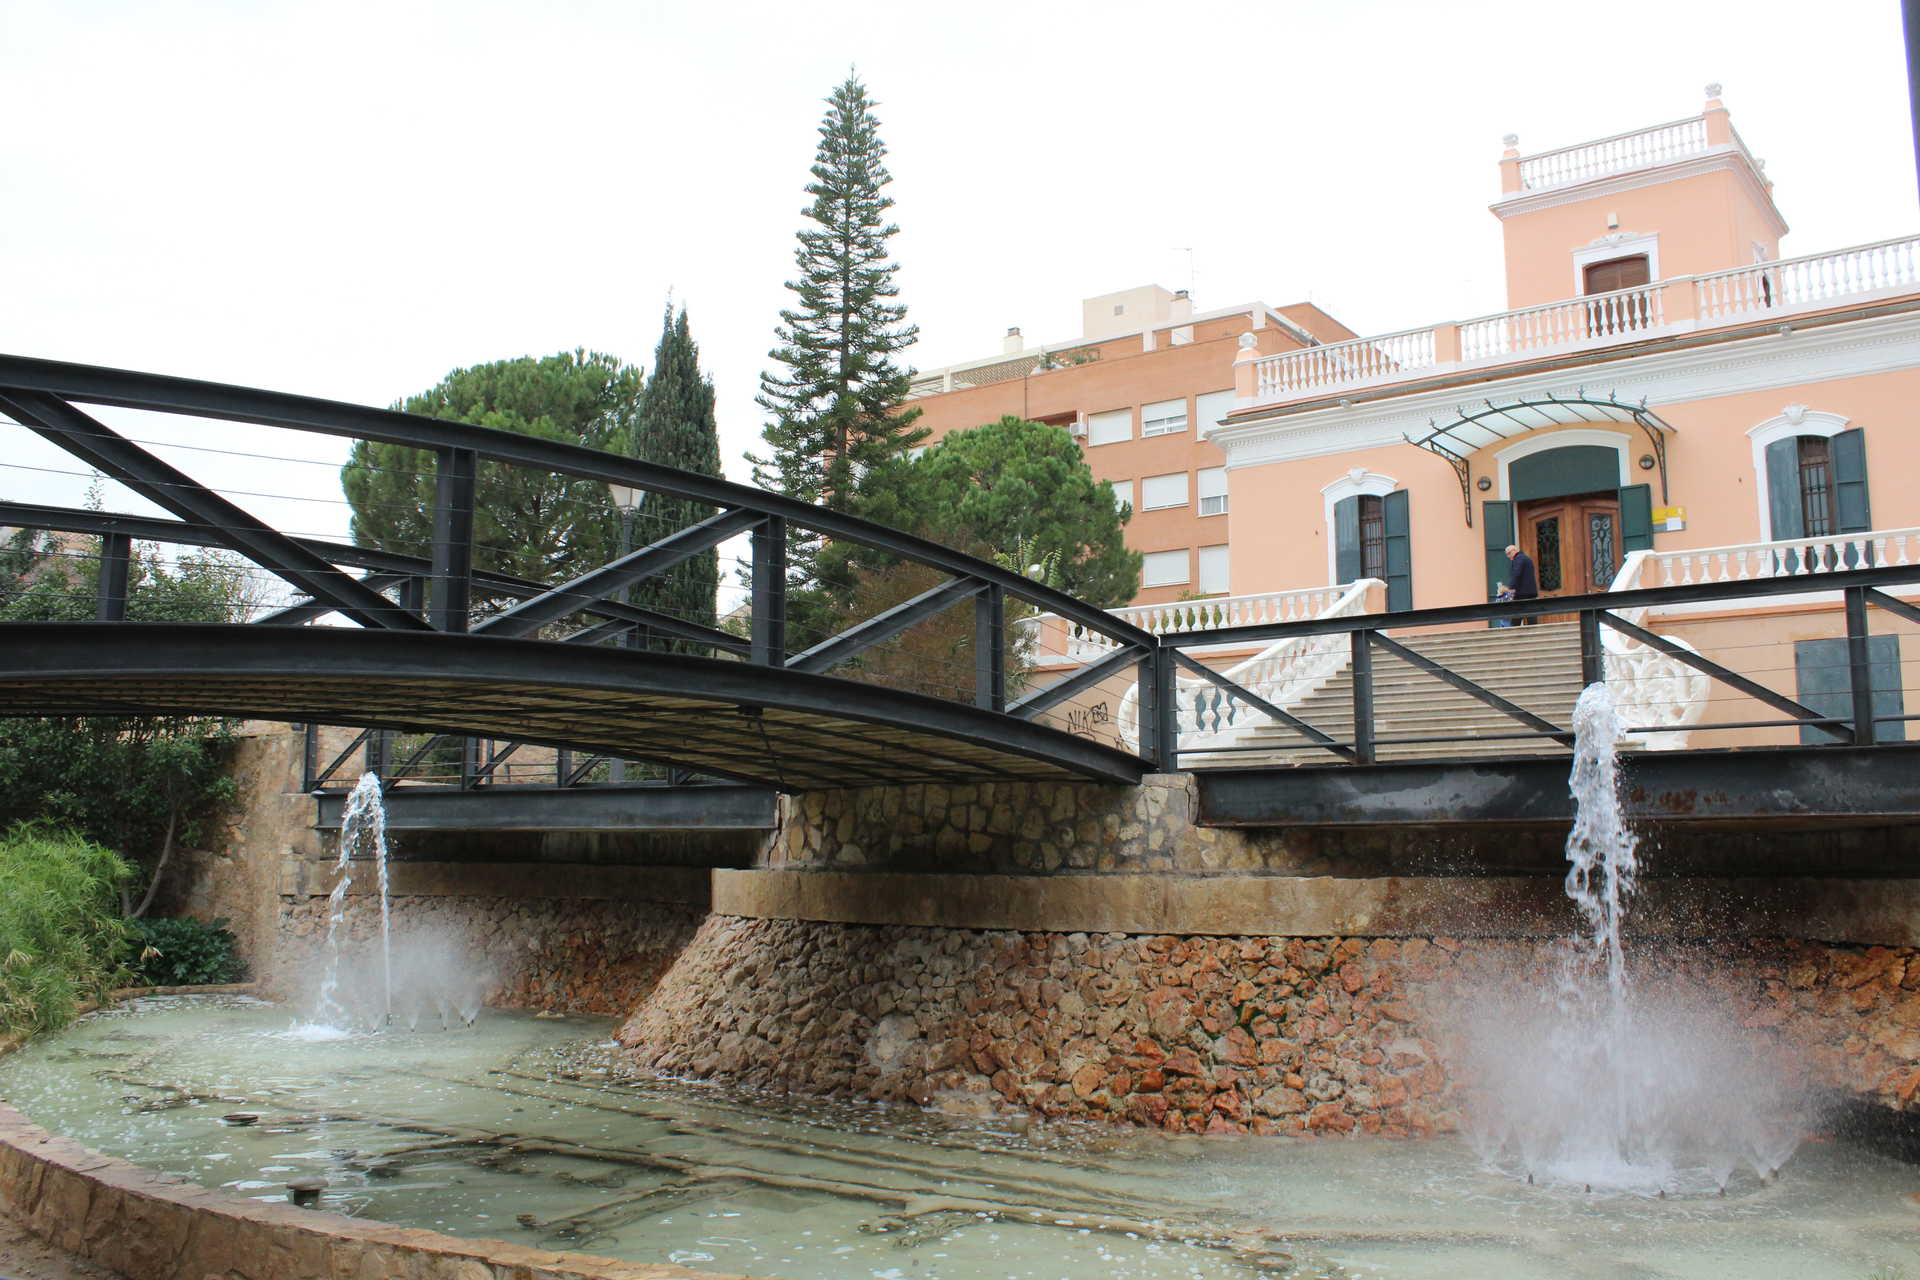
(1141, 385)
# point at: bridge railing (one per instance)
(1817, 657)
(899, 612)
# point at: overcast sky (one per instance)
(350, 199)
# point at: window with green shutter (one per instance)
(1817, 486)
(1372, 538)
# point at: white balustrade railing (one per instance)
(1084, 645)
(1600, 317)
(1771, 289)
(1284, 673)
(1813, 281)
(1655, 691)
(1636, 150)
(1342, 364)
(1785, 557)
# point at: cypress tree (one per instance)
(675, 427)
(834, 404)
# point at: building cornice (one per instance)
(1693, 166)
(1760, 362)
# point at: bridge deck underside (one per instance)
(728, 719)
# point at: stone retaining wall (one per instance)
(567, 955)
(1197, 1034)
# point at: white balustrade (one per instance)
(1636, 150)
(1181, 616)
(1775, 290)
(1598, 318)
(1345, 364)
(1786, 557)
(1810, 282)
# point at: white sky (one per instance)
(350, 199)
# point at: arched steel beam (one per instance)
(788, 729)
(94, 385)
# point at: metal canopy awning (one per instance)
(1474, 429)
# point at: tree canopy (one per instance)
(676, 428)
(834, 404)
(529, 523)
(1020, 492)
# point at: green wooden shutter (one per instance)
(1496, 530)
(1636, 518)
(1852, 514)
(1346, 540)
(1399, 551)
(1822, 682)
(1783, 489)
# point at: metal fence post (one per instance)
(990, 649)
(769, 601)
(1593, 655)
(1362, 696)
(1160, 735)
(116, 559)
(453, 498)
(1860, 666)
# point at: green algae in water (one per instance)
(526, 1129)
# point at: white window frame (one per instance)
(1186, 491)
(1226, 572)
(1794, 420)
(1165, 557)
(1358, 482)
(1110, 417)
(1203, 497)
(1165, 423)
(1122, 493)
(1617, 245)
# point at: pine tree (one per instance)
(676, 428)
(530, 523)
(835, 407)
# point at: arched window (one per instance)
(1815, 475)
(1372, 535)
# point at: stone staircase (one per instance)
(1537, 668)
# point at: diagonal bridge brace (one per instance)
(1260, 704)
(855, 640)
(1753, 689)
(570, 597)
(1512, 709)
(101, 447)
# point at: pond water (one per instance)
(523, 1128)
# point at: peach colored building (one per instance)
(1664, 383)
(1138, 388)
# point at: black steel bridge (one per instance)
(642, 718)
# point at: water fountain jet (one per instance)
(1587, 1080)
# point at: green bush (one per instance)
(61, 934)
(184, 953)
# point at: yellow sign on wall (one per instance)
(1670, 519)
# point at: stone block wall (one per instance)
(1193, 1034)
(565, 955)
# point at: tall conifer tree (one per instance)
(834, 404)
(675, 427)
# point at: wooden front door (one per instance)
(1574, 542)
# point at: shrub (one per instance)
(60, 929)
(184, 953)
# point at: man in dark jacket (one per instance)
(1523, 583)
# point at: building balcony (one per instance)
(1766, 292)
(1647, 148)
